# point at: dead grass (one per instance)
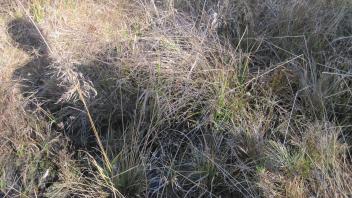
(175, 98)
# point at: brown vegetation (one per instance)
(175, 98)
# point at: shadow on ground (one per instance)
(39, 83)
(122, 112)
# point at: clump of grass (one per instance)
(37, 10)
(307, 161)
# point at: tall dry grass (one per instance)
(175, 98)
